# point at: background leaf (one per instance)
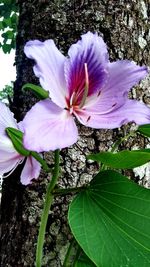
(144, 129)
(84, 261)
(122, 160)
(6, 92)
(37, 90)
(6, 48)
(111, 221)
(9, 12)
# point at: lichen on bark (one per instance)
(125, 28)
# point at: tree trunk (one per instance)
(124, 26)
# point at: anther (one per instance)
(114, 105)
(99, 93)
(88, 118)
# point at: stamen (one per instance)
(86, 89)
(114, 105)
(71, 110)
(108, 111)
(99, 93)
(72, 98)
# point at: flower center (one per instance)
(73, 104)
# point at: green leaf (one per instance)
(111, 221)
(6, 23)
(122, 160)
(39, 91)
(6, 91)
(16, 137)
(7, 13)
(1, 25)
(84, 261)
(13, 43)
(6, 48)
(7, 2)
(8, 34)
(144, 129)
(14, 19)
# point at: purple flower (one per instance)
(85, 85)
(9, 157)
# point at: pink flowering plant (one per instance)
(10, 157)
(110, 217)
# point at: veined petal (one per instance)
(48, 127)
(6, 145)
(131, 111)
(9, 163)
(49, 68)
(30, 171)
(9, 157)
(7, 154)
(123, 74)
(91, 50)
(6, 120)
(104, 103)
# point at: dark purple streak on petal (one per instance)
(91, 50)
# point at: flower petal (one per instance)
(123, 74)
(91, 50)
(7, 155)
(6, 120)
(6, 145)
(49, 68)
(131, 111)
(30, 171)
(48, 127)
(9, 162)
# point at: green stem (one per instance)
(69, 252)
(73, 245)
(62, 191)
(47, 205)
(77, 255)
(103, 167)
(122, 139)
(115, 146)
(41, 161)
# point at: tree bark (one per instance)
(125, 28)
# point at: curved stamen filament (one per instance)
(72, 99)
(86, 89)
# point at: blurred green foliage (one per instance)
(6, 93)
(8, 24)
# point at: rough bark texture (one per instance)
(125, 28)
